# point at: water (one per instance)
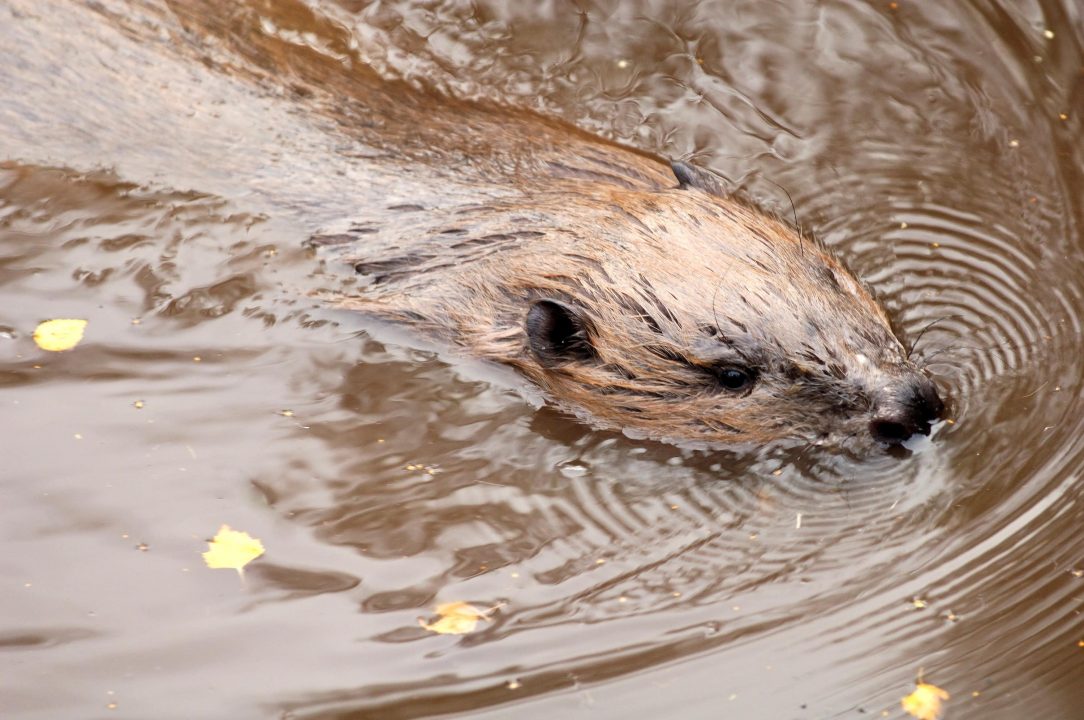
(162, 166)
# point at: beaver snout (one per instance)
(906, 410)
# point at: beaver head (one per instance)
(672, 313)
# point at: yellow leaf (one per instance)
(232, 549)
(455, 618)
(60, 334)
(925, 702)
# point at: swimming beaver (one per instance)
(633, 293)
(672, 312)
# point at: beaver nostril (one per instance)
(891, 431)
(927, 402)
(908, 409)
(926, 407)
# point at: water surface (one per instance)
(162, 164)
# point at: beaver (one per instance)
(635, 293)
(672, 312)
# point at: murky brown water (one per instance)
(162, 164)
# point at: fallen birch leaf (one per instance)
(232, 549)
(60, 334)
(925, 702)
(455, 618)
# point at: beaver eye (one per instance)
(735, 379)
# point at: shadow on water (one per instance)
(161, 167)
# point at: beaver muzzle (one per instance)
(906, 409)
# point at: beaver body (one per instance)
(633, 293)
(665, 309)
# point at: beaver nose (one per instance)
(906, 410)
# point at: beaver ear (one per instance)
(558, 333)
(690, 176)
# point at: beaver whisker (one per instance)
(914, 345)
(794, 212)
(927, 358)
(715, 294)
(1000, 343)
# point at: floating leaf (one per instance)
(60, 334)
(455, 618)
(925, 702)
(232, 549)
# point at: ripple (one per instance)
(923, 143)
